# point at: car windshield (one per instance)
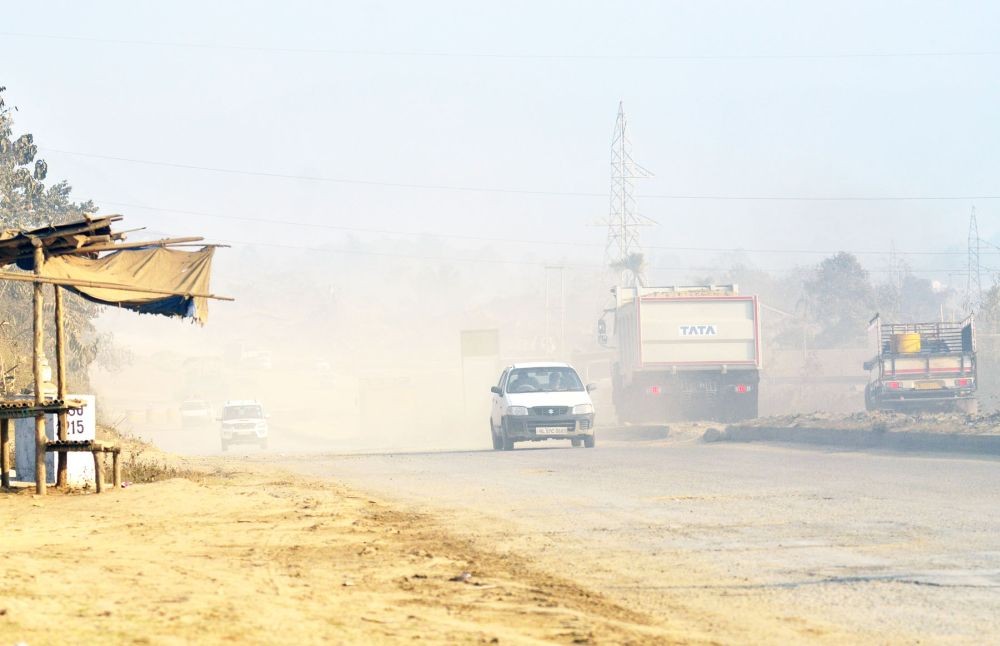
(242, 412)
(543, 380)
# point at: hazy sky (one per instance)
(724, 99)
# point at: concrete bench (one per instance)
(97, 448)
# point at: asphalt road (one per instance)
(742, 541)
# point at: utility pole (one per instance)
(555, 310)
(624, 219)
(974, 282)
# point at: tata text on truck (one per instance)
(684, 353)
(922, 366)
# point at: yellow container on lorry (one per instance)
(906, 343)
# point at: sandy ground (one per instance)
(252, 555)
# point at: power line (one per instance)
(567, 243)
(317, 178)
(507, 55)
(503, 261)
(518, 191)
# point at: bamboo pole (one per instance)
(165, 242)
(69, 282)
(61, 383)
(39, 347)
(5, 453)
(98, 472)
(117, 477)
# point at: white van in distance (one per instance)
(243, 422)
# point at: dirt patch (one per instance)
(258, 556)
(946, 433)
(882, 421)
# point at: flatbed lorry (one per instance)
(922, 366)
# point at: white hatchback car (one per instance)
(541, 401)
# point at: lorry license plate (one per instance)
(550, 430)
(929, 385)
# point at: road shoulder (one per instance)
(253, 554)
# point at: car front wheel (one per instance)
(505, 442)
(589, 441)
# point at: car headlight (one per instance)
(583, 409)
(517, 410)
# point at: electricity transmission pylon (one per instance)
(623, 253)
(974, 283)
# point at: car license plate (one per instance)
(929, 385)
(550, 430)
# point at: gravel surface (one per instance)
(745, 542)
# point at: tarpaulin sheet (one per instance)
(181, 272)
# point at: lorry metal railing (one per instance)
(935, 338)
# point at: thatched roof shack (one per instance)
(91, 259)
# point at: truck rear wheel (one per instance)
(869, 400)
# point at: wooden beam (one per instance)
(94, 248)
(63, 435)
(38, 348)
(69, 282)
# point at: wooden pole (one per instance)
(117, 477)
(93, 247)
(98, 472)
(39, 348)
(61, 382)
(5, 453)
(69, 282)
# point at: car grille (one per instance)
(549, 410)
(584, 424)
(244, 426)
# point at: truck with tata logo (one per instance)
(922, 366)
(683, 353)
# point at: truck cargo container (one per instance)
(922, 366)
(684, 353)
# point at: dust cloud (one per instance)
(347, 351)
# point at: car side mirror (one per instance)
(868, 365)
(496, 390)
(591, 387)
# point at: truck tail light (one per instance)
(653, 390)
(892, 385)
(963, 383)
(742, 388)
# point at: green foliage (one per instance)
(27, 202)
(988, 317)
(910, 299)
(634, 264)
(839, 299)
